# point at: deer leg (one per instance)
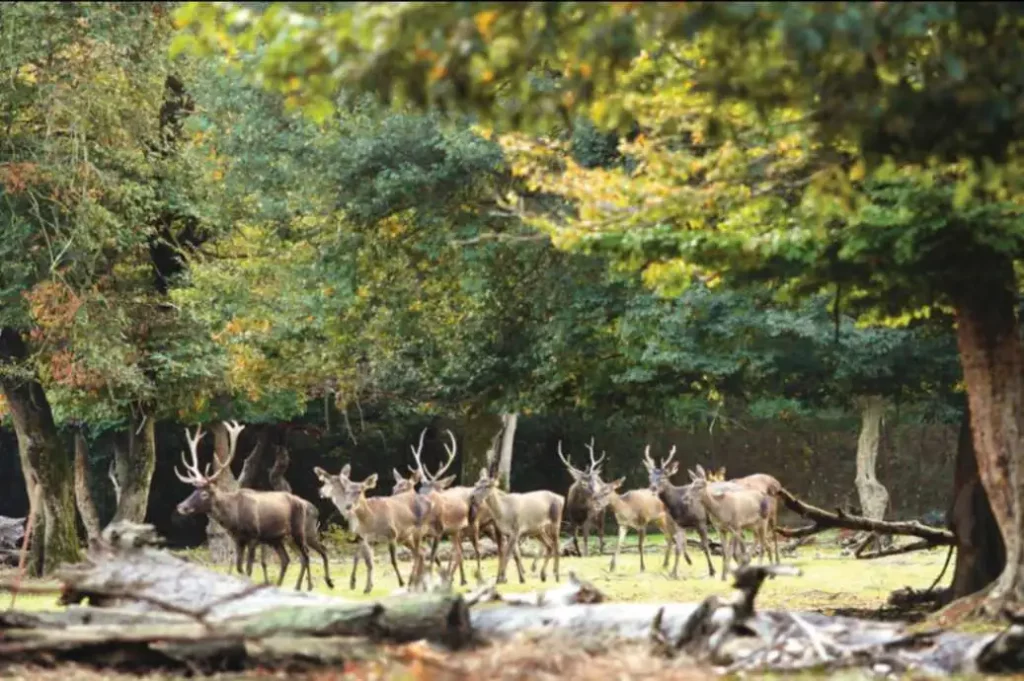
(519, 560)
(474, 538)
(368, 558)
(576, 539)
(319, 547)
(304, 568)
(282, 557)
(618, 546)
(678, 539)
(772, 528)
(240, 545)
(250, 558)
(641, 533)
(355, 566)
(586, 537)
(394, 562)
(600, 537)
(457, 555)
(703, 532)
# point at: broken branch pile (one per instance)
(153, 611)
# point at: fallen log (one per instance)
(187, 617)
(823, 520)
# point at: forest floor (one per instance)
(831, 583)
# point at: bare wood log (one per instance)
(824, 520)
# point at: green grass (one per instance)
(830, 582)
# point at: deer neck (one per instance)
(224, 507)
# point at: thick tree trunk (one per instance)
(988, 334)
(479, 431)
(219, 542)
(277, 471)
(134, 469)
(508, 435)
(83, 496)
(44, 458)
(980, 555)
(874, 498)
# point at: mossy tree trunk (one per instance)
(47, 463)
(479, 431)
(988, 335)
(134, 468)
(980, 554)
(83, 495)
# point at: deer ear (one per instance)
(483, 473)
(617, 483)
(370, 482)
(345, 471)
(398, 476)
(321, 473)
(444, 483)
(701, 472)
(693, 476)
(672, 469)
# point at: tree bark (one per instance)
(988, 335)
(980, 554)
(478, 431)
(219, 542)
(44, 459)
(83, 496)
(508, 434)
(134, 469)
(277, 471)
(874, 498)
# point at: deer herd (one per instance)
(423, 508)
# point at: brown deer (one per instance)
(579, 509)
(637, 509)
(252, 516)
(449, 507)
(519, 515)
(731, 509)
(766, 484)
(682, 503)
(395, 519)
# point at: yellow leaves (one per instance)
(487, 76)
(586, 71)
(438, 72)
(28, 73)
(857, 171)
(485, 23)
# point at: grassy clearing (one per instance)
(831, 583)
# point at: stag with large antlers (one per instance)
(683, 504)
(252, 516)
(580, 511)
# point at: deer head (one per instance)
(660, 475)
(346, 494)
(201, 500)
(590, 479)
(604, 495)
(433, 482)
(403, 485)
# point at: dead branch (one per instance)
(907, 548)
(824, 520)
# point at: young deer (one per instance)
(395, 519)
(763, 483)
(733, 508)
(522, 514)
(579, 509)
(683, 505)
(637, 509)
(251, 516)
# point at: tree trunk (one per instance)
(478, 431)
(874, 498)
(988, 334)
(44, 458)
(220, 545)
(134, 469)
(980, 555)
(277, 471)
(508, 434)
(83, 496)
(251, 474)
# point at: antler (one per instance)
(566, 461)
(648, 461)
(416, 451)
(233, 428)
(451, 456)
(670, 455)
(191, 469)
(590, 448)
